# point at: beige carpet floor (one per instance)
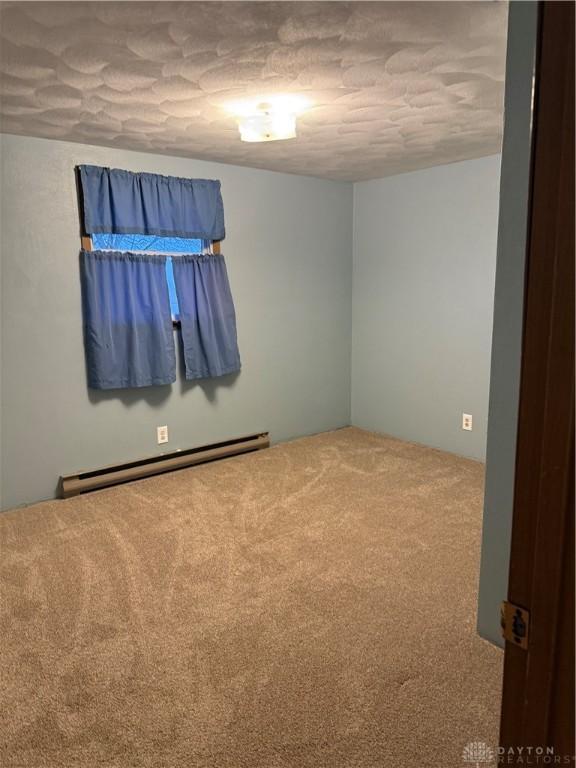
(309, 606)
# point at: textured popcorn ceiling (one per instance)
(395, 86)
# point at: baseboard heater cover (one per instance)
(82, 482)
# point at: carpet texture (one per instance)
(309, 606)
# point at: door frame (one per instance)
(538, 687)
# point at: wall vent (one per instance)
(82, 482)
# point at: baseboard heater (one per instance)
(82, 482)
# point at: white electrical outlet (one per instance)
(162, 434)
(467, 421)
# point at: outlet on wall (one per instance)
(162, 434)
(467, 421)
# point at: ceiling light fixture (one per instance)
(267, 124)
(273, 119)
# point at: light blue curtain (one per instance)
(128, 334)
(207, 316)
(123, 202)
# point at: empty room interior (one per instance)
(254, 512)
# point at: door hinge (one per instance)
(515, 623)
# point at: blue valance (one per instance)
(123, 202)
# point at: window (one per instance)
(174, 306)
(152, 243)
(132, 225)
(106, 241)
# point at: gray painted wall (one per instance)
(508, 318)
(423, 286)
(288, 253)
